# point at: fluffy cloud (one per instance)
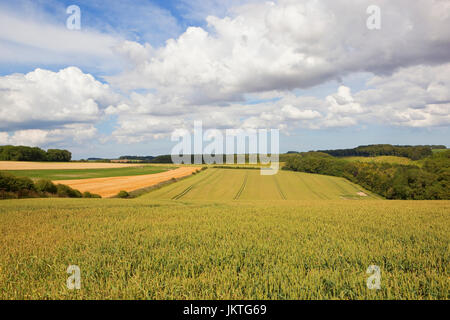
(49, 99)
(290, 44)
(44, 107)
(65, 136)
(343, 103)
(141, 128)
(416, 97)
(145, 116)
(260, 51)
(268, 49)
(291, 112)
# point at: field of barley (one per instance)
(227, 234)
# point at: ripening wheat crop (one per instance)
(235, 249)
(241, 184)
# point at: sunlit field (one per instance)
(64, 174)
(225, 240)
(242, 184)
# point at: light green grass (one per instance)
(71, 174)
(146, 249)
(386, 159)
(242, 184)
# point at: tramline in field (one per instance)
(243, 184)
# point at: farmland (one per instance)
(110, 186)
(29, 165)
(72, 174)
(227, 234)
(192, 249)
(242, 184)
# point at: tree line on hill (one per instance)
(168, 158)
(141, 158)
(412, 152)
(392, 181)
(23, 153)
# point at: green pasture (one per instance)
(72, 174)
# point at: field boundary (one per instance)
(140, 192)
(150, 189)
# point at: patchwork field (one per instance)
(24, 165)
(65, 174)
(191, 249)
(225, 234)
(110, 186)
(243, 184)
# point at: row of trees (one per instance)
(412, 152)
(140, 158)
(12, 187)
(23, 153)
(168, 158)
(392, 181)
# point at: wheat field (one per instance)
(243, 184)
(219, 247)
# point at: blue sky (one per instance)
(111, 17)
(138, 71)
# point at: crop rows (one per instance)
(242, 184)
(238, 194)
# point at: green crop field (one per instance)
(191, 249)
(69, 174)
(242, 184)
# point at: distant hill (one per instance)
(142, 158)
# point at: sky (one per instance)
(327, 74)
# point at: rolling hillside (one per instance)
(227, 184)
